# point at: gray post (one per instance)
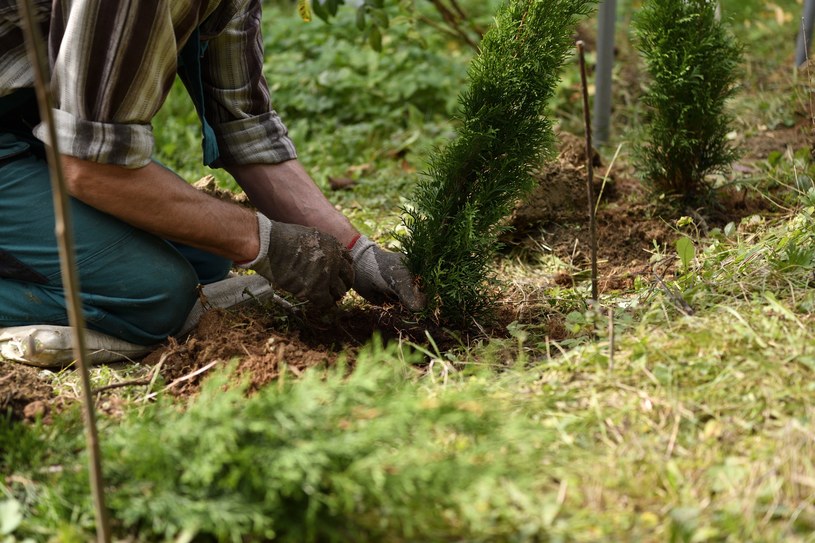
(805, 33)
(607, 18)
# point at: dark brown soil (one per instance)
(630, 226)
(24, 393)
(265, 344)
(561, 194)
(262, 351)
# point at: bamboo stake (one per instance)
(611, 339)
(70, 280)
(589, 169)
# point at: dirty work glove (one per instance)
(303, 261)
(381, 275)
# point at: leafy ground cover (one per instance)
(678, 409)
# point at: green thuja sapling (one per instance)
(459, 209)
(692, 62)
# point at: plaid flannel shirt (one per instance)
(113, 63)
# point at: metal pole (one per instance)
(607, 19)
(67, 259)
(805, 33)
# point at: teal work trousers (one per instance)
(134, 285)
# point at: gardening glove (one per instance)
(303, 261)
(381, 276)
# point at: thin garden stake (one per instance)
(589, 169)
(610, 339)
(64, 232)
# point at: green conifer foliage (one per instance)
(692, 62)
(472, 185)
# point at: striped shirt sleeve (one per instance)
(237, 99)
(114, 62)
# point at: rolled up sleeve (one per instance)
(128, 145)
(255, 140)
(113, 63)
(237, 100)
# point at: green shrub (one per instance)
(692, 62)
(472, 184)
(366, 457)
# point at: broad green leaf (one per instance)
(11, 515)
(375, 39)
(319, 10)
(686, 251)
(361, 18)
(332, 6)
(380, 18)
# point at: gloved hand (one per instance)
(303, 261)
(381, 275)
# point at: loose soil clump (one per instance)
(560, 194)
(23, 392)
(246, 338)
(263, 343)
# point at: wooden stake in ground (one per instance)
(589, 170)
(67, 258)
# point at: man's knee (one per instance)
(142, 302)
(152, 309)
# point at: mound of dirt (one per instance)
(24, 393)
(265, 343)
(223, 336)
(629, 224)
(560, 194)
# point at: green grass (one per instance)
(700, 428)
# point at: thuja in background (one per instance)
(692, 63)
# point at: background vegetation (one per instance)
(697, 427)
(692, 62)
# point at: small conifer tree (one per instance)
(692, 62)
(472, 185)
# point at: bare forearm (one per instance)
(156, 200)
(285, 192)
